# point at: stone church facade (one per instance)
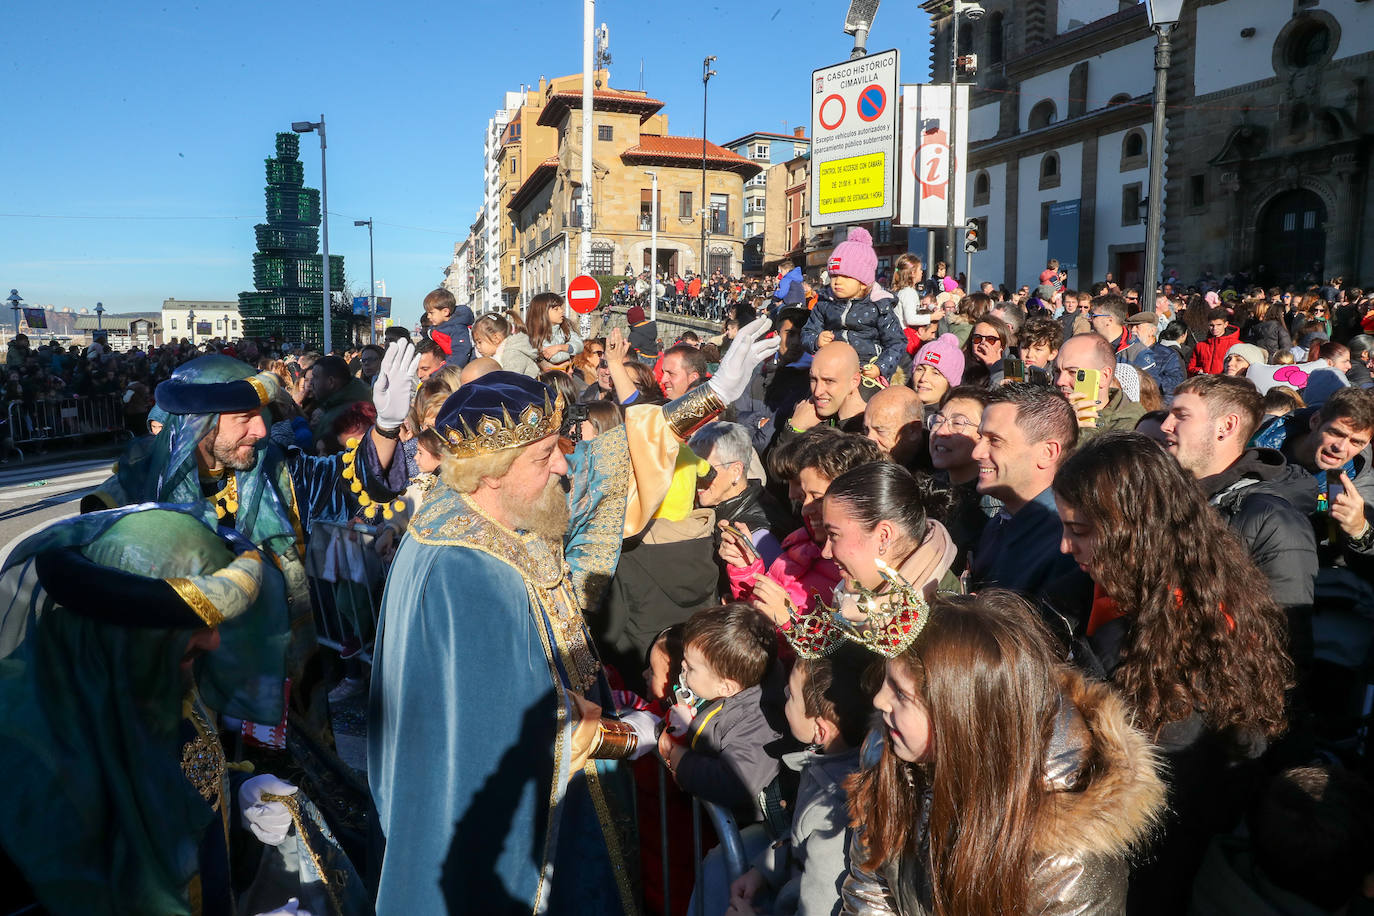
(1267, 146)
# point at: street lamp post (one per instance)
(99, 317)
(653, 248)
(191, 323)
(371, 282)
(305, 127)
(1163, 15)
(706, 74)
(857, 21)
(15, 301)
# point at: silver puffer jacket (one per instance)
(1106, 797)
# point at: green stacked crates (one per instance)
(288, 279)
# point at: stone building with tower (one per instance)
(632, 140)
(1267, 148)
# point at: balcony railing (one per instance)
(720, 225)
(646, 221)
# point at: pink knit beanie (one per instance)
(944, 354)
(855, 258)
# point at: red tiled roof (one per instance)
(538, 178)
(679, 150)
(560, 103)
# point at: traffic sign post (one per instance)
(584, 294)
(854, 140)
(927, 157)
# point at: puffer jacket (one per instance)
(1209, 356)
(869, 325)
(1268, 503)
(1270, 336)
(799, 569)
(1106, 796)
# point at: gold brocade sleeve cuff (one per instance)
(614, 741)
(692, 411)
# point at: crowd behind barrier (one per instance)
(914, 442)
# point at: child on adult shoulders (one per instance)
(856, 310)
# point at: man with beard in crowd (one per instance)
(491, 764)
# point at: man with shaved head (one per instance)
(892, 420)
(478, 368)
(1111, 408)
(835, 399)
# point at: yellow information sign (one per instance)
(856, 183)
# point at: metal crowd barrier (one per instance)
(346, 575)
(727, 832)
(54, 419)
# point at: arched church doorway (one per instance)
(1291, 237)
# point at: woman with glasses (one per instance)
(952, 432)
(989, 342)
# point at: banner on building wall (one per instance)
(926, 156)
(854, 140)
(1063, 234)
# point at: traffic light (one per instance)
(971, 231)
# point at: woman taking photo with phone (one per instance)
(1006, 783)
(1184, 626)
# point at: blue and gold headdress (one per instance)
(498, 411)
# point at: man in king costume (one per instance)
(494, 745)
(117, 629)
(213, 451)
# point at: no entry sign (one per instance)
(584, 294)
(854, 140)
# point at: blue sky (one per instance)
(135, 132)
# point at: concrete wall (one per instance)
(1109, 231)
(990, 264)
(1128, 69)
(1030, 247)
(1231, 60)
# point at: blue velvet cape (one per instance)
(469, 749)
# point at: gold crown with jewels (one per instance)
(892, 621)
(490, 434)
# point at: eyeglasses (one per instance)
(986, 338)
(1095, 315)
(959, 425)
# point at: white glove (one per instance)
(394, 389)
(291, 907)
(739, 361)
(270, 821)
(645, 724)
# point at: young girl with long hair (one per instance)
(1005, 782)
(553, 335)
(1185, 627)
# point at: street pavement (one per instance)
(36, 494)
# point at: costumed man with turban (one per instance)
(214, 451)
(493, 741)
(119, 632)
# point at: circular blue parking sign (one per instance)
(872, 102)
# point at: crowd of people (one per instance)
(954, 601)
